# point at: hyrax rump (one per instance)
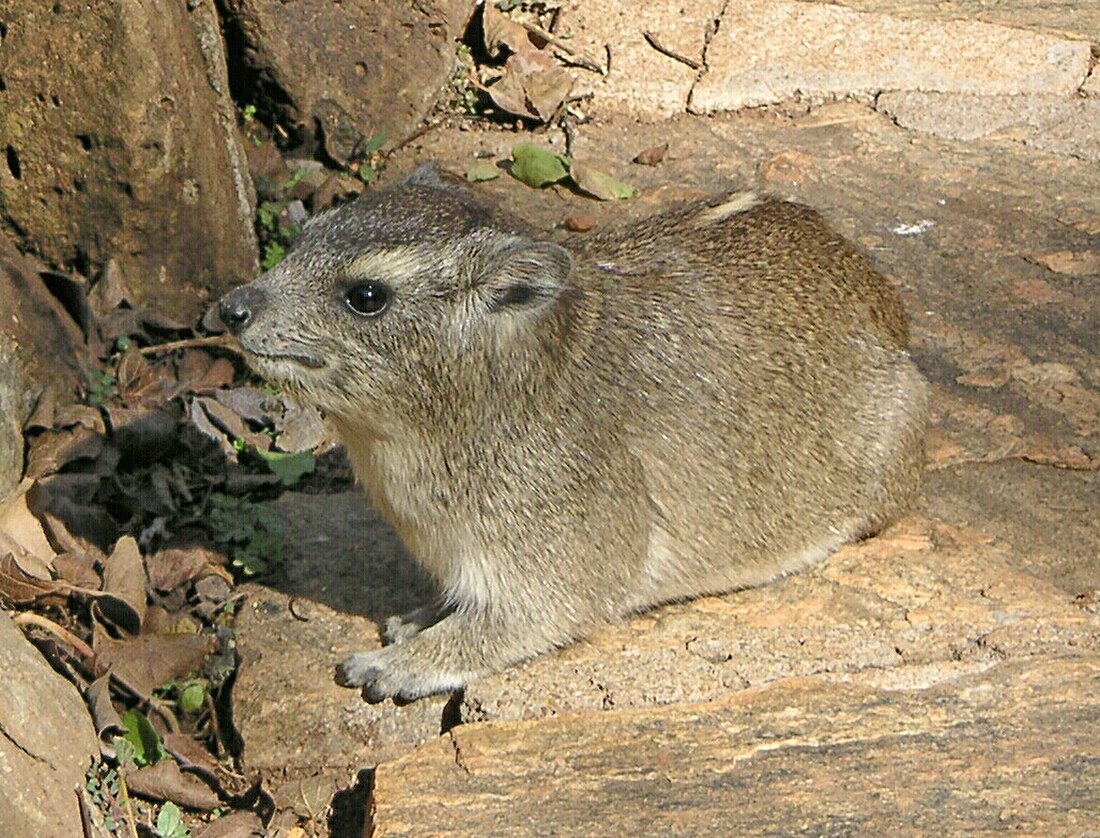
(701, 401)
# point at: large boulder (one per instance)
(353, 70)
(120, 141)
(47, 742)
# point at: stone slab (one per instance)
(640, 80)
(766, 52)
(1063, 125)
(1008, 749)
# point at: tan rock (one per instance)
(1004, 749)
(766, 52)
(120, 142)
(640, 80)
(47, 742)
(1059, 124)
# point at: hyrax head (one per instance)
(390, 302)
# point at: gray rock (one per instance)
(47, 742)
(766, 52)
(353, 69)
(120, 142)
(1060, 124)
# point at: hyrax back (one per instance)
(699, 402)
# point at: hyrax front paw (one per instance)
(387, 673)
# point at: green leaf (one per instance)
(482, 170)
(192, 695)
(289, 468)
(374, 143)
(148, 749)
(538, 167)
(599, 185)
(170, 822)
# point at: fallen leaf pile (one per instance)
(120, 548)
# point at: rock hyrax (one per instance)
(562, 435)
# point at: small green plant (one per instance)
(143, 738)
(250, 533)
(248, 112)
(274, 253)
(104, 787)
(101, 387)
(275, 235)
(464, 97)
(189, 695)
(170, 822)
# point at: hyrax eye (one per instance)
(368, 298)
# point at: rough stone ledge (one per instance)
(766, 52)
(1002, 749)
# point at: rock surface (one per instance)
(1059, 124)
(766, 52)
(120, 142)
(40, 349)
(46, 742)
(352, 70)
(1007, 749)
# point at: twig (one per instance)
(219, 341)
(578, 58)
(62, 634)
(126, 800)
(651, 39)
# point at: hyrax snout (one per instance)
(701, 401)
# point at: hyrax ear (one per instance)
(516, 273)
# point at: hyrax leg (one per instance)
(400, 627)
(447, 655)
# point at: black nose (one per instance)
(239, 307)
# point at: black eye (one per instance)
(368, 298)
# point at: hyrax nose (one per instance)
(239, 307)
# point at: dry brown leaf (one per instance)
(20, 588)
(301, 428)
(501, 31)
(168, 569)
(508, 94)
(307, 797)
(22, 536)
(123, 599)
(165, 781)
(78, 570)
(216, 374)
(652, 156)
(598, 184)
(235, 825)
(82, 415)
(106, 718)
(150, 660)
(54, 449)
